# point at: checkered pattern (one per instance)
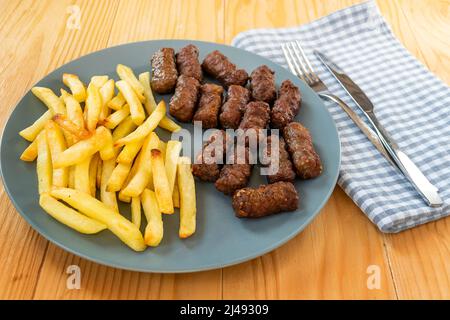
(411, 103)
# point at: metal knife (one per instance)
(425, 188)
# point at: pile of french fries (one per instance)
(93, 146)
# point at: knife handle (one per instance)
(427, 190)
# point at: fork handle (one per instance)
(370, 134)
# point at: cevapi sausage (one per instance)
(262, 84)
(305, 159)
(164, 71)
(209, 105)
(233, 109)
(279, 162)
(265, 200)
(220, 67)
(187, 62)
(183, 102)
(286, 106)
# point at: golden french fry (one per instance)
(57, 144)
(124, 128)
(98, 178)
(30, 153)
(123, 198)
(136, 211)
(44, 164)
(107, 151)
(118, 177)
(126, 73)
(162, 147)
(130, 151)
(72, 177)
(107, 93)
(75, 85)
(114, 119)
(188, 209)
(169, 125)
(172, 154)
(136, 109)
(95, 209)
(160, 182)
(83, 149)
(69, 216)
(79, 132)
(93, 167)
(108, 198)
(99, 81)
(176, 195)
(73, 109)
(117, 102)
(50, 99)
(154, 231)
(30, 133)
(93, 106)
(150, 104)
(82, 182)
(146, 128)
(141, 168)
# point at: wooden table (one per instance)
(332, 258)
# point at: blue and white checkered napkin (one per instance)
(410, 102)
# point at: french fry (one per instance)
(150, 104)
(146, 128)
(93, 106)
(93, 167)
(30, 133)
(44, 165)
(67, 125)
(107, 151)
(188, 209)
(73, 109)
(75, 85)
(71, 218)
(98, 178)
(117, 102)
(118, 177)
(136, 211)
(50, 99)
(123, 197)
(83, 149)
(169, 125)
(162, 147)
(136, 109)
(130, 151)
(82, 182)
(107, 93)
(57, 144)
(114, 119)
(172, 154)
(95, 209)
(160, 182)
(154, 230)
(108, 198)
(72, 177)
(126, 73)
(30, 153)
(176, 195)
(124, 128)
(141, 168)
(99, 81)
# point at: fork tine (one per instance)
(301, 59)
(310, 69)
(288, 60)
(293, 60)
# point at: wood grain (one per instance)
(328, 260)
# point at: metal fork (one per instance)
(300, 66)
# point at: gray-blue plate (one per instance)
(221, 239)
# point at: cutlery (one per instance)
(427, 190)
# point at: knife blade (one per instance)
(420, 182)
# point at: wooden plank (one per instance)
(135, 21)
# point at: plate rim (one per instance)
(215, 266)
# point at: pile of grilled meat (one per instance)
(257, 107)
